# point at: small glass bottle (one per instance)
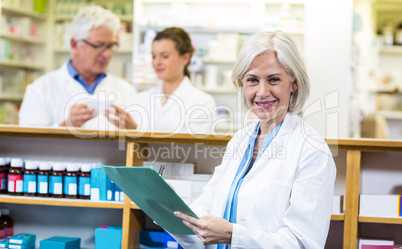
(3, 175)
(56, 180)
(84, 181)
(2, 231)
(15, 177)
(43, 179)
(30, 179)
(7, 222)
(71, 181)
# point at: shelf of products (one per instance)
(217, 40)
(48, 201)
(22, 46)
(133, 220)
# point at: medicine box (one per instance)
(30, 245)
(387, 206)
(60, 243)
(22, 239)
(108, 237)
(375, 244)
(99, 182)
(157, 239)
(3, 243)
(337, 204)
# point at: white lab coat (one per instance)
(48, 99)
(187, 110)
(285, 200)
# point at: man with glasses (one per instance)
(81, 93)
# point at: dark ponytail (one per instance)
(182, 43)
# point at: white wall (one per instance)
(328, 42)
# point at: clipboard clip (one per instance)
(161, 170)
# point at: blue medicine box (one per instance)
(3, 243)
(22, 239)
(108, 237)
(60, 243)
(157, 239)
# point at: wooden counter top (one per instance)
(147, 137)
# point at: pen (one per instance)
(161, 170)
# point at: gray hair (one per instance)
(288, 56)
(92, 17)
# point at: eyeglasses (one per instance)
(102, 47)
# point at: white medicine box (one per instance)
(386, 206)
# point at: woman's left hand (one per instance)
(210, 229)
(120, 118)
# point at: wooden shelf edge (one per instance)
(384, 220)
(20, 11)
(339, 217)
(134, 206)
(48, 201)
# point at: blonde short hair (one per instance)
(92, 17)
(288, 56)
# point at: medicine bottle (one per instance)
(7, 222)
(43, 179)
(30, 179)
(15, 177)
(56, 180)
(71, 181)
(84, 181)
(3, 176)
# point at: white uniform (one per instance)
(48, 99)
(187, 110)
(285, 201)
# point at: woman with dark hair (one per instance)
(175, 105)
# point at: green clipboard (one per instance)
(153, 195)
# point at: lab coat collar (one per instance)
(183, 87)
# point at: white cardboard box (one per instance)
(337, 204)
(386, 206)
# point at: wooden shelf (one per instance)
(49, 201)
(202, 30)
(230, 62)
(380, 220)
(13, 11)
(218, 90)
(118, 51)
(16, 64)
(11, 97)
(62, 18)
(392, 50)
(30, 40)
(395, 115)
(338, 217)
(293, 2)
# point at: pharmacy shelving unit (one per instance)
(36, 44)
(125, 148)
(155, 15)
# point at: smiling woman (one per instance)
(258, 199)
(175, 105)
